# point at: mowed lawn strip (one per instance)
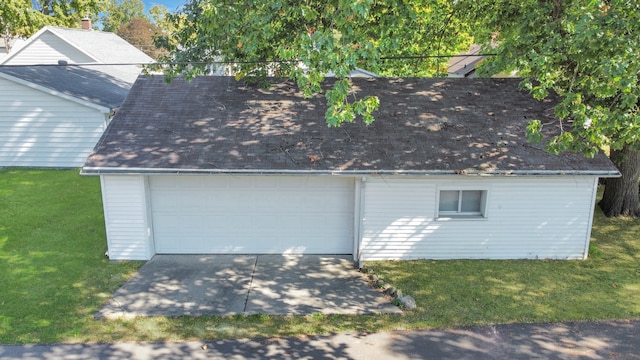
(55, 277)
(54, 274)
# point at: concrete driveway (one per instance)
(173, 285)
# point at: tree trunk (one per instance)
(621, 195)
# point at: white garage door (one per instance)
(252, 214)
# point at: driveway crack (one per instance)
(253, 273)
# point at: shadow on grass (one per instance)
(52, 242)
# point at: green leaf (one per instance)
(322, 37)
(534, 131)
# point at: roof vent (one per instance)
(63, 62)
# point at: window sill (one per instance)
(460, 217)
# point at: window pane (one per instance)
(449, 200)
(471, 201)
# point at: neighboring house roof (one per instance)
(105, 47)
(357, 72)
(423, 126)
(227, 70)
(99, 46)
(465, 65)
(81, 83)
(102, 46)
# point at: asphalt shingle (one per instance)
(423, 126)
(84, 83)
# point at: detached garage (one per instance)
(214, 167)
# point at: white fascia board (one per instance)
(44, 89)
(89, 170)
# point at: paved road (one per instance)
(580, 340)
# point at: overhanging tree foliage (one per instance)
(587, 52)
(305, 40)
(168, 26)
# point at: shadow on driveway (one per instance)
(174, 285)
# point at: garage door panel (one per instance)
(252, 214)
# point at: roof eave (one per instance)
(101, 108)
(87, 170)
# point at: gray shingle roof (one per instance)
(82, 83)
(106, 47)
(103, 47)
(423, 126)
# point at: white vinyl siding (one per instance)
(126, 218)
(42, 130)
(253, 214)
(526, 218)
(48, 49)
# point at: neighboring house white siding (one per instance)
(525, 218)
(48, 49)
(126, 218)
(42, 130)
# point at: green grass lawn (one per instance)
(54, 277)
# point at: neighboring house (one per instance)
(52, 116)
(357, 72)
(55, 45)
(464, 66)
(228, 71)
(4, 51)
(213, 166)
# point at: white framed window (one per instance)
(462, 203)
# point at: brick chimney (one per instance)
(86, 23)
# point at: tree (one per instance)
(307, 39)
(17, 18)
(168, 26)
(159, 17)
(140, 33)
(587, 52)
(22, 18)
(120, 12)
(67, 13)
